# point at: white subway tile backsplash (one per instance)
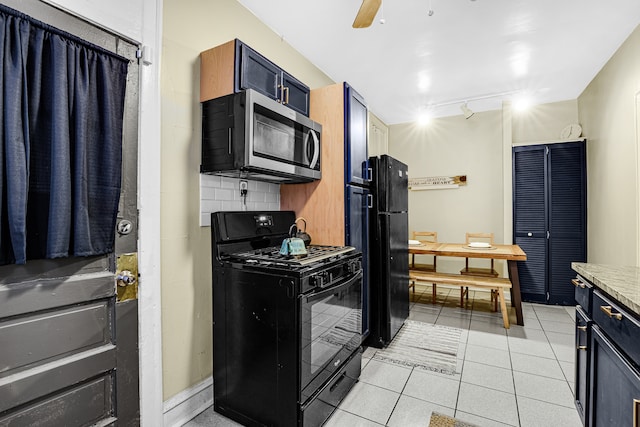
(253, 185)
(210, 181)
(208, 206)
(223, 194)
(272, 198)
(230, 205)
(255, 197)
(263, 187)
(230, 183)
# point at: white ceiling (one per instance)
(482, 51)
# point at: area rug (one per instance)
(440, 420)
(425, 346)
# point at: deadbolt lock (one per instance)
(124, 227)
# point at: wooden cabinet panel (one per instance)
(217, 71)
(321, 203)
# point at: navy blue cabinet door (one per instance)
(254, 71)
(615, 385)
(357, 235)
(549, 218)
(356, 152)
(296, 94)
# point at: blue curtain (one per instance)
(62, 103)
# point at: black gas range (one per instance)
(287, 329)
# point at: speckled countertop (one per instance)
(620, 282)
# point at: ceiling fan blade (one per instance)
(367, 13)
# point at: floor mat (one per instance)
(425, 346)
(440, 420)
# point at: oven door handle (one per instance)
(334, 289)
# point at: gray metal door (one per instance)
(68, 327)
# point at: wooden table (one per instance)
(510, 253)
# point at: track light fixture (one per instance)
(466, 111)
(465, 108)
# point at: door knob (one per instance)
(125, 278)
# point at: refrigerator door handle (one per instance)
(369, 201)
(370, 173)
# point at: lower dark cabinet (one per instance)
(583, 356)
(607, 361)
(615, 385)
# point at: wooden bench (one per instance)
(497, 284)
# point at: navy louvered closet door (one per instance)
(530, 220)
(549, 210)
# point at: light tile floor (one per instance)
(522, 377)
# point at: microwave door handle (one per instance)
(316, 149)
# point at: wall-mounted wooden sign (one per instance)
(437, 182)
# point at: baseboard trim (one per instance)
(184, 406)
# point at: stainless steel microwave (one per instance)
(247, 135)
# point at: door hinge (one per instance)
(144, 53)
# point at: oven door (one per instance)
(331, 330)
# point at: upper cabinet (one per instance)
(378, 138)
(356, 152)
(234, 66)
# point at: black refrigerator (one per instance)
(388, 250)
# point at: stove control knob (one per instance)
(316, 281)
(352, 267)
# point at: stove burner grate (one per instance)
(272, 255)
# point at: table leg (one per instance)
(516, 300)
